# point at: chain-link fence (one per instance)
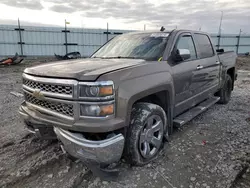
(47, 41)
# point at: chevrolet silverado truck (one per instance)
(126, 98)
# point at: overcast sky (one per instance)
(131, 14)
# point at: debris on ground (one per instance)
(17, 94)
(11, 60)
(71, 55)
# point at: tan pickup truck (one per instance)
(126, 98)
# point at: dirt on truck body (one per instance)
(126, 99)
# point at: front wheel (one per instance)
(145, 134)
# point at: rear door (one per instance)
(206, 76)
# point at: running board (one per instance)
(190, 114)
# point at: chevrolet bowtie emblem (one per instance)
(37, 94)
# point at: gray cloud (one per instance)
(56, 1)
(190, 14)
(93, 5)
(26, 23)
(30, 4)
(135, 11)
(62, 9)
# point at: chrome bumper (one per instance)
(104, 152)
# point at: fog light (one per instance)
(90, 110)
(96, 110)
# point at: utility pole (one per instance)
(219, 33)
(144, 27)
(238, 42)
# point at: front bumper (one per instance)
(102, 151)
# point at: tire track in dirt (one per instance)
(26, 161)
(38, 163)
(243, 178)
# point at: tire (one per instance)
(146, 131)
(226, 90)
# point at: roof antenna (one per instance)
(162, 28)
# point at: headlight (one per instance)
(96, 110)
(96, 89)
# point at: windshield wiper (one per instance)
(121, 57)
(118, 57)
(97, 57)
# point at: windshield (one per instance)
(148, 46)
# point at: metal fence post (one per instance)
(220, 29)
(238, 42)
(66, 39)
(218, 45)
(107, 32)
(20, 37)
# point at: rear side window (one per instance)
(204, 46)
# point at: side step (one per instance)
(190, 114)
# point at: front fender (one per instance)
(130, 91)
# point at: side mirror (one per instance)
(184, 53)
(181, 55)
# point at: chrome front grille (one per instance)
(60, 97)
(57, 89)
(62, 108)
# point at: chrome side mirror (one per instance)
(184, 53)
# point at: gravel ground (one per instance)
(243, 63)
(213, 150)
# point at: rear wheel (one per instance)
(145, 135)
(226, 90)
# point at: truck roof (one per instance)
(168, 31)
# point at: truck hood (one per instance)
(81, 69)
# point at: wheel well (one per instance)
(231, 73)
(159, 98)
(163, 99)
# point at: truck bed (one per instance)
(228, 58)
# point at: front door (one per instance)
(183, 74)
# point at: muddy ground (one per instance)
(213, 150)
(243, 63)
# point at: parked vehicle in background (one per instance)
(127, 97)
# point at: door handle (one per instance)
(217, 63)
(199, 67)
